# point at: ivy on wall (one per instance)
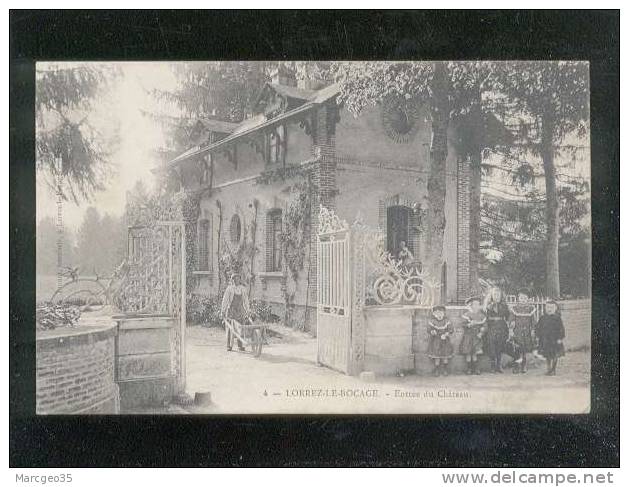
(238, 257)
(295, 236)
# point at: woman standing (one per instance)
(497, 334)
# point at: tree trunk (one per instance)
(552, 207)
(440, 114)
(476, 122)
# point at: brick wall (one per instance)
(577, 319)
(75, 371)
(325, 180)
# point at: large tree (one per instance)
(65, 130)
(454, 92)
(555, 95)
(224, 90)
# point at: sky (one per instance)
(139, 136)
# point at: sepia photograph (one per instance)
(313, 237)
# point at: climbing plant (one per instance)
(238, 257)
(295, 234)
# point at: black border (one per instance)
(437, 441)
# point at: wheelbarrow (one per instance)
(250, 335)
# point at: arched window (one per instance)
(273, 240)
(204, 244)
(235, 230)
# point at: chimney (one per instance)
(283, 76)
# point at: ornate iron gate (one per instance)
(354, 270)
(334, 292)
(155, 283)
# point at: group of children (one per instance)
(493, 328)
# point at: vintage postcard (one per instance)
(313, 237)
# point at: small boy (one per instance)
(471, 346)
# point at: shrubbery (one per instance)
(49, 316)
(206, 311)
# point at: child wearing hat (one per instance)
(551, 332)
(440, 349)
(521, 328)
(471, 345)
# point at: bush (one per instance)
(204, 310)
(49, 316)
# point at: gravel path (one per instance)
(287, 379)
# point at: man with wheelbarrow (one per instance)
(235, 306)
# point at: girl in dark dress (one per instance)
(521, 328)
(471, 345)
(497, 334)
(440, 348)
(551, 332)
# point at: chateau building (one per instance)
(260, 185)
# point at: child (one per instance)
(471, 345)
(440, 348)
(551, 332)
(497, 330)
(521, 329)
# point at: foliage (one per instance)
(64, 103)
(224, 90)
(555, 96)
(237, 258)
(204, 310)
(50, 316)
(295, 234)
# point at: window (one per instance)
(397, 228)
(204, 245)
(273, 241)
(235, 230)
(205, 170)
(277, 144)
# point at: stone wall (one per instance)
(577, 319)
(75, 371)
(392, 331)
(144, 360)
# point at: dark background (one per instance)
(536, 441)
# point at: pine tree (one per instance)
(65, 96)
(556, 96)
